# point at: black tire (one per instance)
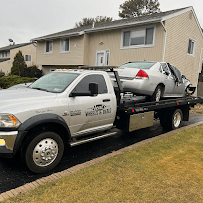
(172, 120)
(157, 93)
(163, 123)
(176, 119)
(43, 152)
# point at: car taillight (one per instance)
(142, 75)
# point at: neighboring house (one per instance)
(173, 36)
(8, 53)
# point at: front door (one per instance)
(102, 57)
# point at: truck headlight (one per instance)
(9, 121)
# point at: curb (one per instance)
(29, 186)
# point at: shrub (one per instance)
(33, 72)
(2, 74)
(8, 81)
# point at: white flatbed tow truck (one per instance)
(75, 107)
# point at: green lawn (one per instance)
(166, 170)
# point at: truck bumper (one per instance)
(7, 141)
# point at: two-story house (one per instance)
(173, 36)
(8, 53)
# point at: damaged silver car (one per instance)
(154, 79)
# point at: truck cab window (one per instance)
(83, 85)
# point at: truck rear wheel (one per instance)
(176, 119)
(171, 120)
(43, 152)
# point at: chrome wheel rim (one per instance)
(158, 94)
(177, 119)
(45, 152)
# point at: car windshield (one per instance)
(54, 82)
(138, 65)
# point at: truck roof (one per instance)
(78, 71)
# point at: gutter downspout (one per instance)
(164, 40)
(200, 66)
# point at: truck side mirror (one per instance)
(93, 87)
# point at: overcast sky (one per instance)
(22, 20)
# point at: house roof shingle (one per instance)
(110, 25)
(7, 48)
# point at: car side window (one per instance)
(83, 85)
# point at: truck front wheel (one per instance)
(43, 152)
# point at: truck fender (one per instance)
(35, 121)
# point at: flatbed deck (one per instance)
(133, 106)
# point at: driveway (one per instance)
(15, 174)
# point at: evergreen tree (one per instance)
(136, 8)
(19, 65)
(90, 21)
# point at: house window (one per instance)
(137, 38)
(107, 57)
(4, 54)
(191, 47)
(27, 57)
(65, 45)
(48, 46)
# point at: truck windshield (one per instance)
(138, 65)
(54, 82)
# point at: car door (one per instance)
(179, 85)
(180, 88)
(168, 80)
(91, 113)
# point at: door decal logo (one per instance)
(75, 113)
(98, 110)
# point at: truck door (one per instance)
(91, 113)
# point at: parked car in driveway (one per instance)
(154, 79)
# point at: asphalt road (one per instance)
(15, 174)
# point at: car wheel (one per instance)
(157, 94)
(43, 152)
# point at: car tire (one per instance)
(43, 152)
(157, 93)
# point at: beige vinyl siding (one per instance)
(73, 57)
(26, 50)
(112, 41)
(5, 67)
(86, 49)
(179, 30)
